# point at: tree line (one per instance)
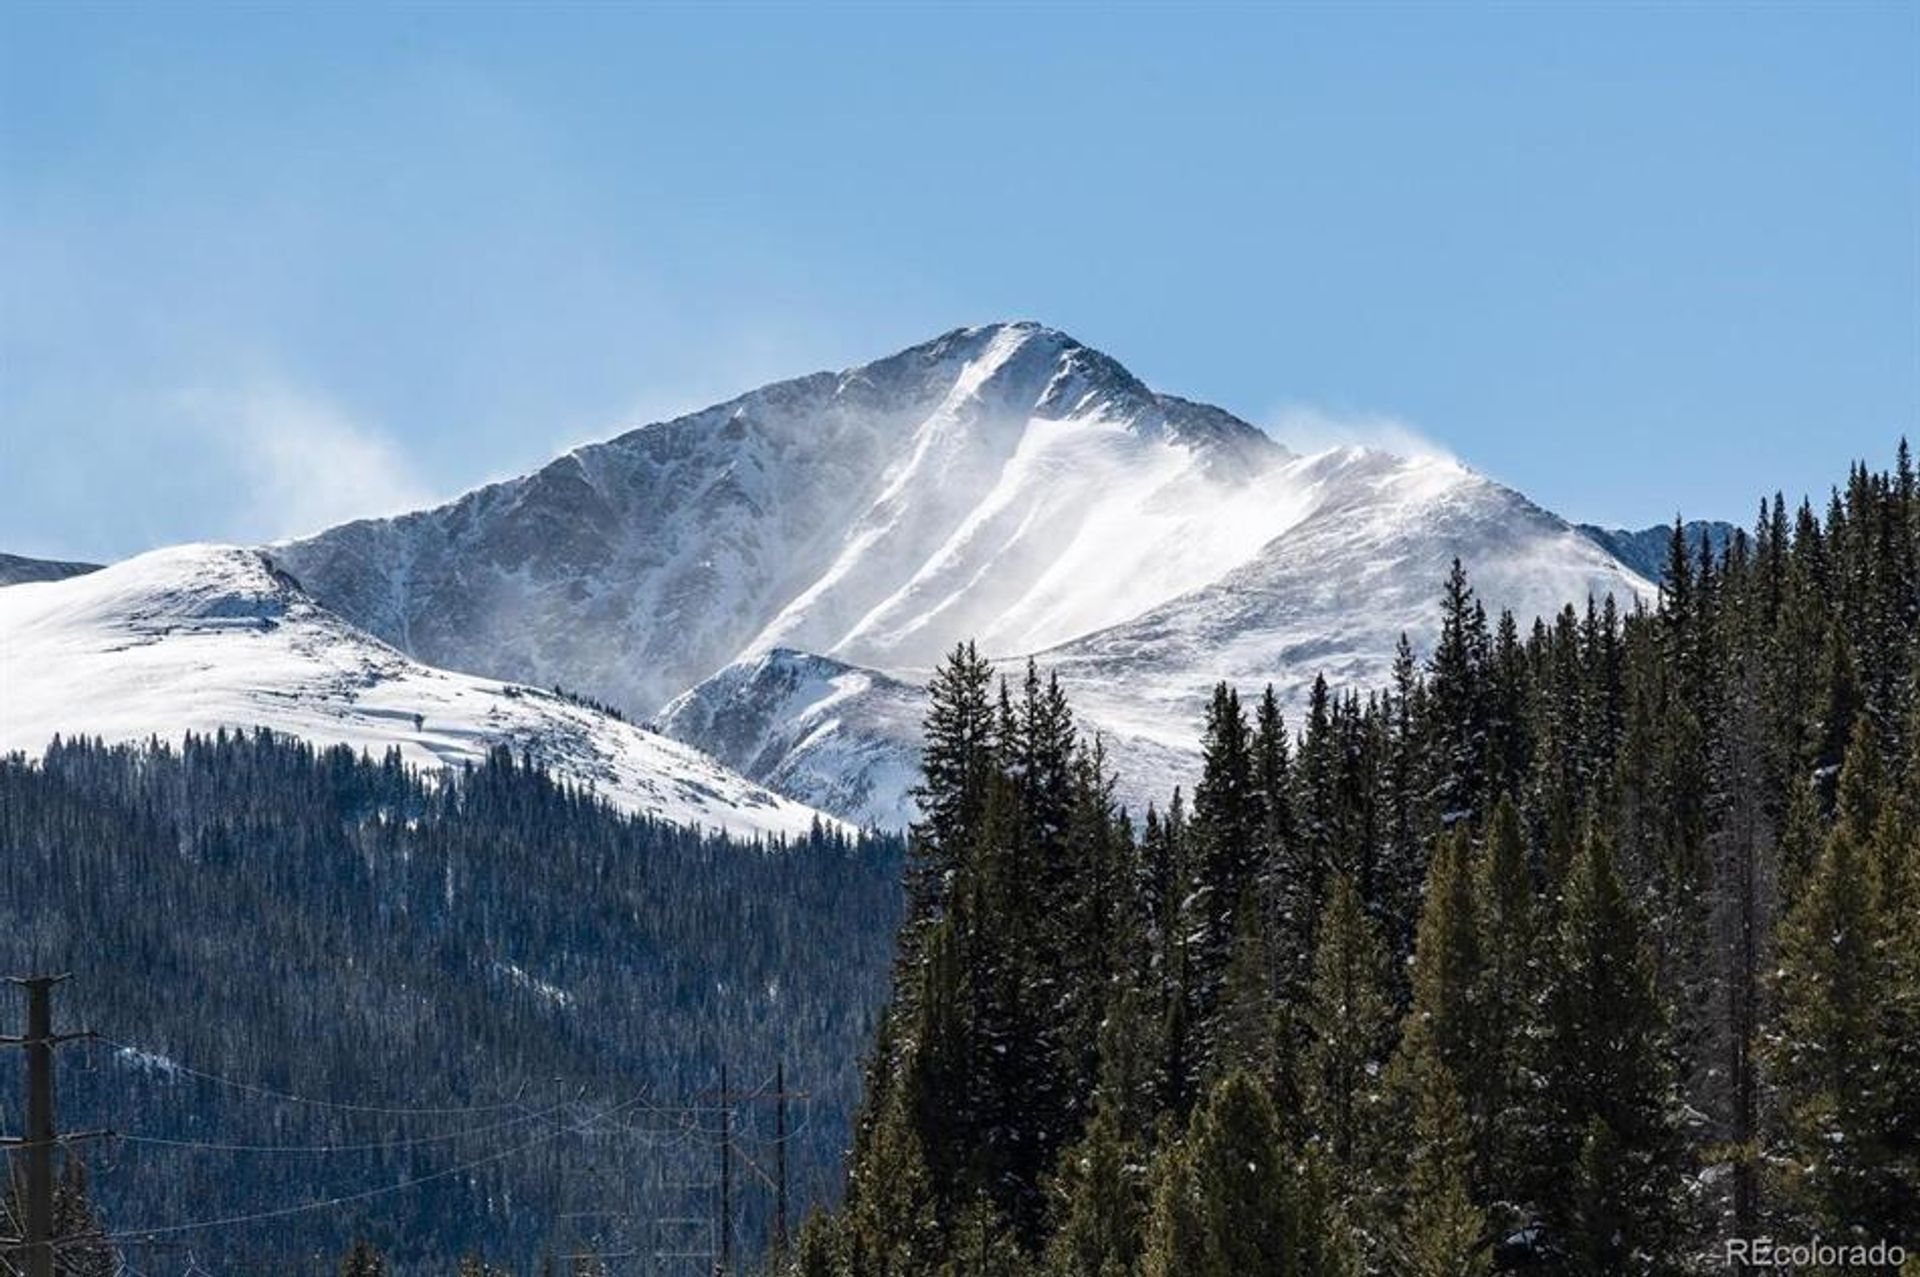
(1581, 950)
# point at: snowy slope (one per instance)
(832, 735)
(1332, 596)
(1365, 542)
(1003, 482)
(195, 638)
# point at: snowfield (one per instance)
(832, 735)
(1363, 542)
(200, 637)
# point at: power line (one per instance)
(348, 1199)
(170, 1065)
(675, 1125)
(655, 1140)
(780, 1152)
(215, 1146)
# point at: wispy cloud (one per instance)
(1307, 428)
(305, 464)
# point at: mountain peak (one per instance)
(1013, 329)
(975, 482)
(1020, 365)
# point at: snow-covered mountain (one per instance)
(1365, 541)
(196, 638)
(1005, 483)
(773, 577)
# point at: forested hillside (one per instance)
(339, 998)
(1579, 949)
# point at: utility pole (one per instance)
(37, 1238)
(726, 1175)
(726, 1099)
(780, 1161)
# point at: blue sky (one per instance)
(264, 268)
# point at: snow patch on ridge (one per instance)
(838, 737)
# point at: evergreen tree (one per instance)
(1014, 1040)
(1168, 907)
(1458, 696)
(1606, 1122)
(1350, 1024)
(1099, 1190)
(1841, 1051)
(816, 1250)
(957, 765)
(1229, 1203)
(890, 1225)
(1317, 808)
(981, 1242)
(1101, 1203)
(1441, 1228)
(1441, 1040)
(363, 1261)
(941, 1090)
(1043, 760)
(1248, 1035)
(1565, 760)
(1445, 1014)
(1273, 779)
(1507, 915)
(1098, 935)
(1801, 836)
(1403, 815)
(1743, 864)
(1227, 829)
(1507, 685)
